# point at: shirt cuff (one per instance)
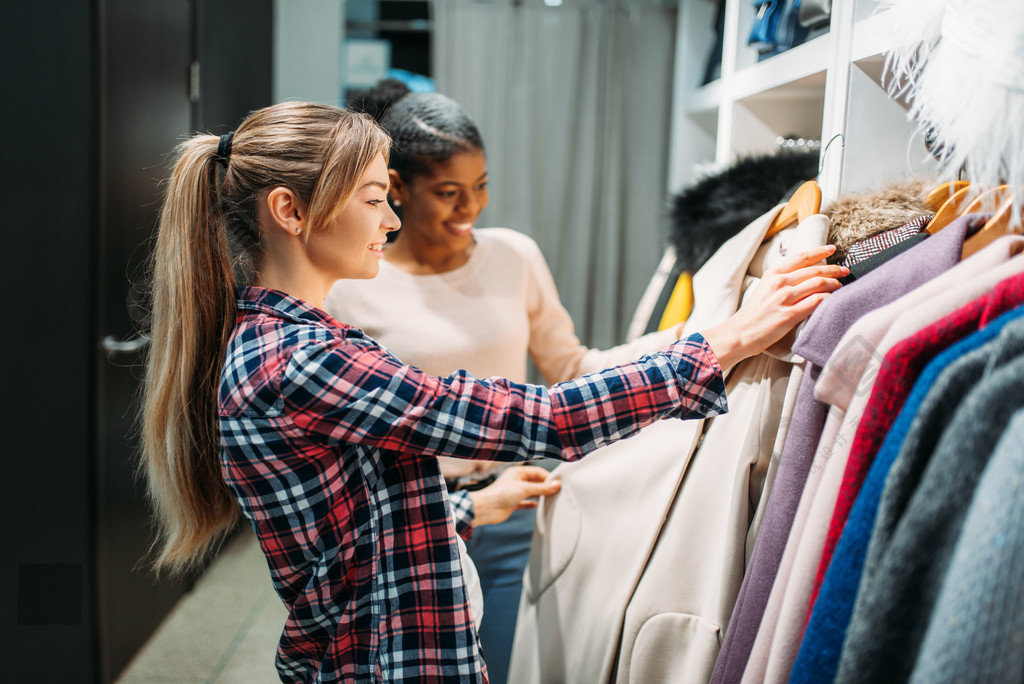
(462, 513)
(705, 393)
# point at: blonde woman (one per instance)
(259, 402)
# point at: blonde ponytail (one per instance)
(193, 309)
(208, 242)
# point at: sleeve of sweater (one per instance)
(556, 350)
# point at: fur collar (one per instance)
(856, 217)
(709, 212)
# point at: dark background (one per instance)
(98, 94)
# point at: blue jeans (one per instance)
(500, 553)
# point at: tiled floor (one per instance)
(224, 631)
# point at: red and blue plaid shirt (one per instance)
(329, 443)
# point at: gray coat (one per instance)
(923, 506)
(977, 628)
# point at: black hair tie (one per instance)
(224, 149)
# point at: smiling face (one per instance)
(351, 245)
(440, 209)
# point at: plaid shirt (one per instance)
(329, 443)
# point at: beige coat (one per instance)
(636, 563)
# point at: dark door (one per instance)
(169, 67)
(235, 41)
(47, 342)
(97, 95)
(145, 108)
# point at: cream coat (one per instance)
(637, 561)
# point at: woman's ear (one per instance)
(397, 192)
(286, 211)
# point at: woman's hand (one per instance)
(786, 295)
(515, 488)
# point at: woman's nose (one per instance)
(468, 203)
(391, 220)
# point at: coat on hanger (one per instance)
(636, 562)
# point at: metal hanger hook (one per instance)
(824, 151)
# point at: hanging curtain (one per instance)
(573, 103)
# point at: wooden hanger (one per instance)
(1002, 223)
(950, 210)
(806, 201)
(987, 201)
(941, 194)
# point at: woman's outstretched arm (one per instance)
(786, 295)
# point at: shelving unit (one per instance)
(829, 88)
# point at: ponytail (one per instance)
(193, 309)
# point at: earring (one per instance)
(298, 230)
(396, 203)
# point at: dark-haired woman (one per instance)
(453, 296)
(257, 401)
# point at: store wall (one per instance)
(307, 50)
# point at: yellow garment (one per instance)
(680, 304)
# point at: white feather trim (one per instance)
(912, 27)
(960, 64)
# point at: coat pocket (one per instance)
(675, 648)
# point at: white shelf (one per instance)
(800, 68)
(705, 99)
(829, 87)
(870, 38)
(862, 9)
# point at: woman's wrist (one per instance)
(482, 511)
(727, 342)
